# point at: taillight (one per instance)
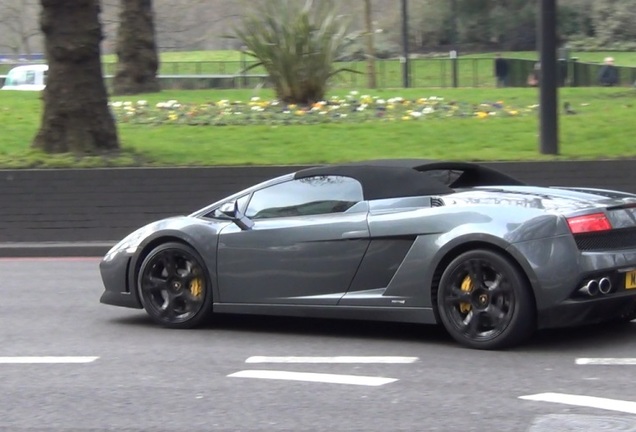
(589, 223)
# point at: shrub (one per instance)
(297, 43)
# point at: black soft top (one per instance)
(393, 178)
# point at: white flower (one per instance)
(117, 104)
(255, 99)
(353, 93)
(128, 103)
(416, 114)
(142, 103)
(380, 102)
(428, 110)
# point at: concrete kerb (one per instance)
(54, 249)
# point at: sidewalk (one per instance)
(54, 249)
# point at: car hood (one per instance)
(550, 199)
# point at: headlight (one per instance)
(129, 244)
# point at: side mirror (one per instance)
(231, 210)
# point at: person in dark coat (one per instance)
(501, 71)
(608, 75)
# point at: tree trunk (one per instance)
(371, 73)
(76, 116)
(137, 60)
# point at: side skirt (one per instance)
(398, 314)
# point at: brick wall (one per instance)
(106, 204)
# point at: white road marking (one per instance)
(314, 377)
(339, 359)
(584, 401)
(46, 360)
(609, 361)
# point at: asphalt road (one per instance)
(141, 377)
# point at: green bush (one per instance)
(297, 43)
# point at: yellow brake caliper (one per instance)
(467, 286)
(196, 287)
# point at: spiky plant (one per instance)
(297, 43)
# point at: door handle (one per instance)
(355, 234)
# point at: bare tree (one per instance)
(137, 59)
(19, 26)
(76, 117)
(371, 75)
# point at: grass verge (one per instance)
(602, 129)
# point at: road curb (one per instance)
(54, 249)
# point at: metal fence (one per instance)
(422, 73)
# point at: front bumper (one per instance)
(116, 274)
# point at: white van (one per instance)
(30, 78)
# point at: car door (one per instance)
(308, 238)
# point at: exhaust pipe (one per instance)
(605, 286)
(590, 289)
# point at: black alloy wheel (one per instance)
(484, 301)
(174, 287)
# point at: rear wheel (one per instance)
(173, 286)
(485, 302)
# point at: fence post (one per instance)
(453, 56)
(574, 72)
(243, 67)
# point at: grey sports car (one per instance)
(457, 244)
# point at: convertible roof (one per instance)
(393, 178)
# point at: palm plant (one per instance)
(297, 43)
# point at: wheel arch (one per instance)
(456, 250)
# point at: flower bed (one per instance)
(351, 108)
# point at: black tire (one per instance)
(484, 301)
(174, 286)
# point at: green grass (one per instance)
(603, 128)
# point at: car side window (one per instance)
(305, 197)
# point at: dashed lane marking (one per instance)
(608, 361)
(338, 359)
(46, 360)
(314, 377)
(584, 401)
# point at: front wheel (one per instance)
(484, 301)
(173, 286)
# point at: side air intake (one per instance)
(437, 202)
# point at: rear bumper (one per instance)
(580, 312)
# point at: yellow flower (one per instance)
(482, 114)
